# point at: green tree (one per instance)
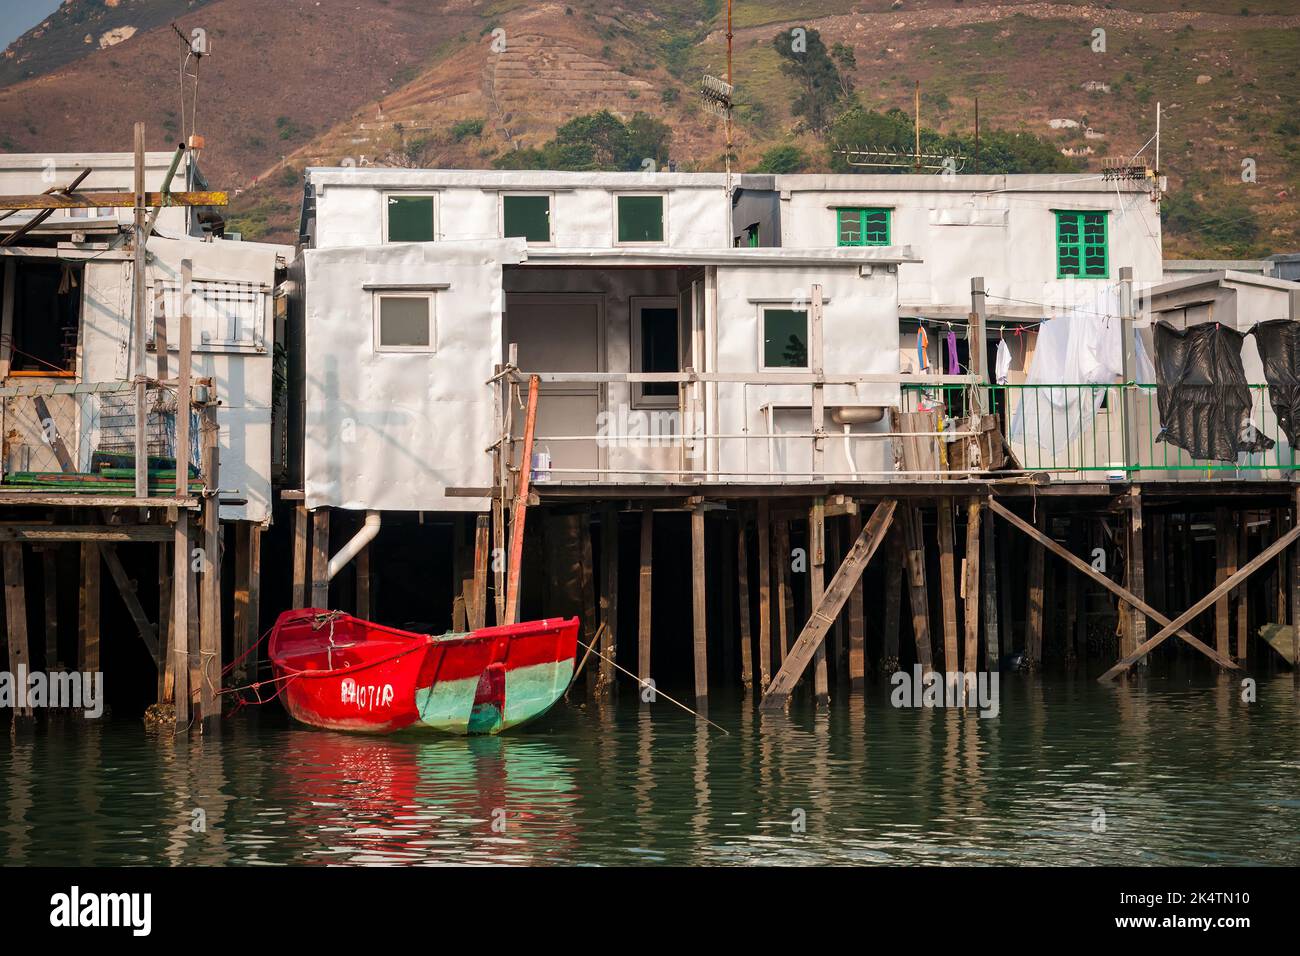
(804, 59)
(596, 141)
(783, 159)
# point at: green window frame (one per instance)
(640, 218)
(785, 338)
(526, 216)
(864, 226)
(1081, 245)
(409, 218)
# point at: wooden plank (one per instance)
(243, 630)
(948, 585)
(127, 589)
(104, 533)
(970, 659)
(1249, 568)
(459, 608)
(210, 664)
(180, 629)
(893, 596)
(817, 588)
(112, 199)
(139, 258)
(609, 601)
(482, 555)
(831, 556)
(764, 527)
(50, 592)
(830, 603)
(16, 622)
(498, 559)
(519, 512)
(1293, 586)
(646, 582)
(699, 606)
(742, 584)
(361, 569)
(988, 568)
(320, 558)
(1224, 544)
(1136, 564)
(1034, 596)
(50, 432)
(300, 556)
(1119, 591)
(254, 596)
(89, 609)
(1243, 606)
(914, 543)
(857, 621)
(184, 394)
(590, 617)
(784, 597)
(166, 676)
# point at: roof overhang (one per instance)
(848, 257)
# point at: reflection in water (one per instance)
(1149, 772)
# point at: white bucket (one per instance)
(541, 469)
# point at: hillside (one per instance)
(303, 82)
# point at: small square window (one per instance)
(404, 323)
(1081, 249)
(640, 219)
(862, 227)
(785, 338)
(526, 216)
(409, 218)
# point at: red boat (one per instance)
(342, 673)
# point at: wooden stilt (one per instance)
(1242, 598)
(857, 623)
(1225, 543)
(361, 568)
(166, 674)
(16, 624)
(1293, 586)
(300, 556)
(498, 558)
(817, 585)
(243, 628)
(784, 595)
(1034, 603)
(254, 597)
(828, 605)
(88, 631)
(992, 639)
(643, 603)
(893, 596)
(948, 586)
(590, 621)
(320, 558)
(519, 511)
(970, 660)
(210, 666)
(742, 584)
(916, 586)
(1281, 589)
(838, 651)
(482, 554)
(180, 629)
(699, 606)
(459, 609)
(50, 591)
(1157, 581)
(764, 596)
(1137, 633)
(609, 600)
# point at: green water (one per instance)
(1156, 772)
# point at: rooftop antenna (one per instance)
(716, 97)
(890, 158)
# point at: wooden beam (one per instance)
(102, 533)
(829, 604)
(646, 581)
(699, 606)
(948, 586)
(88, 624)
(1294, 588)
(1136, 564)
(1243, 601)
(320, 558)
(590, 622)
(498, 562)
(988, 568)
(361, 570)
(482, 556)
(50, 432)
(1225, 544)
(50, 591)
(817, 588)
(742, 584)
(520, 509)
(914, 544)
(970, 660)
(1034, 594)
(857, 622)
(893, 596)
(764, 527)
(784, 599)
(111, 199)
(180, 629)
(244, 631)
(127, 588)
(16, 622)
(166, 677)
(184, 393)
(300, 519)
(210, 665)
(609, 601)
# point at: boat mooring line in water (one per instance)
(657, 691)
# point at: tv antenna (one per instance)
(892, 158)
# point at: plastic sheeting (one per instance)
(1202, 393)
(1278, 342)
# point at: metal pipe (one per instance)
(359, 540)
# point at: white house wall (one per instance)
(350, 205)
(243, 378)
(999, 227)
(395, 430)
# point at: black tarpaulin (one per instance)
(1278, 342)
(1202, 392)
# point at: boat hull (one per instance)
(342, 673)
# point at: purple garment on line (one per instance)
(953, 368)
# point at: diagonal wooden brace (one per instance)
(1120, 592)
(1230, 584)
(832, 601)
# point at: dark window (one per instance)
(640, 218)
(527, 216)
(785, 338)
(658, 348)
(404, 322)
(47, 310)
(410, 219)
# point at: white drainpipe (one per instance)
(353, 547)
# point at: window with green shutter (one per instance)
(640, 218)
(862, 227)
(526, 216)
(410, 218)
(1081, 245)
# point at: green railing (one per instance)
(1079, 431)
